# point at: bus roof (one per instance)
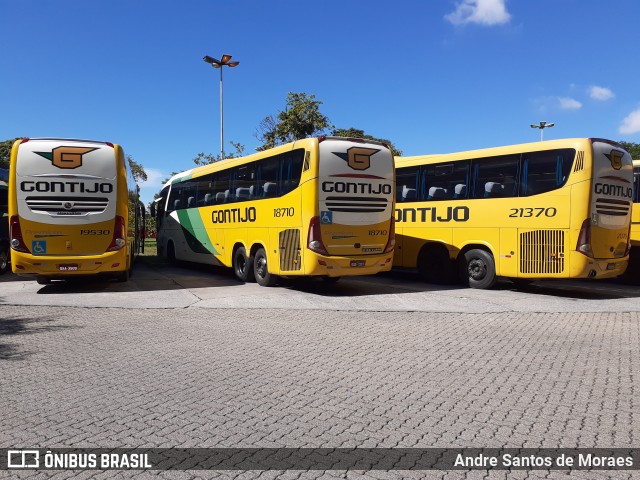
(505, 149)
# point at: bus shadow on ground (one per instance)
(575, 289)
(14, 326)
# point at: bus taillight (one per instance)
(584, 239)
(17, 242)
(392, 237)
(119, 235)
(314, 242)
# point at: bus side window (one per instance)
(545, 171)
(444, 181)
(291, 170)
(636, 185)
(496, 177)
(407, 184)
(267, 178)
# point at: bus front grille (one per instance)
(542, 251)
(357, 204)
(65, 206)
(609, 206)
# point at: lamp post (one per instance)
(215, 63)
(542, 126)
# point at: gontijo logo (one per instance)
(615, 157)
(66, 157)
(358, 158)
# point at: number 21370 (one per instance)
(533, 212)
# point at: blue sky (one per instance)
(433, 76)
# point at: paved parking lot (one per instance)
(333, 372)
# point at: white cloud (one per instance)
(154, 178)
(631, 123)
(482, 12)
(567, 103)
(600, 93)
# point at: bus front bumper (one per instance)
(335, 266)
(25, 264)
(597, 267)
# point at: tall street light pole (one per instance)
(542, 126)
(215, 63)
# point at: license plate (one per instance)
(611, 266)
(357, 263)
(68, 268)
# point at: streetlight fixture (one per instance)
(542, 126)
(215, 63)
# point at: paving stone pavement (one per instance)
(191, 377)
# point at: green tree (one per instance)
(300, 119)
(5, 152)
(356, 133)
(137, 170)
(632, 148)
(209, 158)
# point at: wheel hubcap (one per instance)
(477, 269)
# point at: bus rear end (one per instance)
(602, 246)
(67, 211)
(352, 232)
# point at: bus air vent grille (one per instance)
(290, 249)
(579, 162)
(305, 165)
(357, 204)
(66, 206)
(610, 206)
(542, 251)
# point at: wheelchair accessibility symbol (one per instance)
(39, 247)
(326, 217)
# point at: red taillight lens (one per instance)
(15, 233)
(119, 235)
(314, 242)
(392, 237)
(584, 239)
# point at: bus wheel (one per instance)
(171, 253)
(123, 276)
(480, 268)
(4, 260)
(263, 277)
(243, 265)
(435, 266)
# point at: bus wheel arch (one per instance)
(477, 266)
(242, 263)
(434, 263)
(261, 268)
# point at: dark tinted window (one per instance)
(636, 185)
(407, 184)
(545, 171)
(495, 177)
(444, 181)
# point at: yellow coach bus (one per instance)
(318, 206)
(554, 209)
(73, 209)
(632, 274)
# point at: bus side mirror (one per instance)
(152, 209)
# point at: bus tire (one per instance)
(480, 268)
(243, 265)
(4, 259)
(435, 266)
(171, 253)
(43, 280)
(123, 276)
(261, 270)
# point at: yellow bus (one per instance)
(318, 206)
(74, 209)
(554, 209)
(632, 275)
